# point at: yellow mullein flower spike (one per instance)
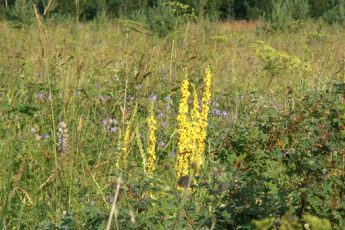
(122, 161)
(194, 132)
(141, 148)
(203, 117)
(151, 150)
(125, 146)
(182, 164)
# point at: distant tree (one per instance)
(319, 7)
(226, 9)
(336, 13)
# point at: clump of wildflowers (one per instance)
(192, 129)
(279, 59)
(110, 124)
(181, 10)
(62, 138)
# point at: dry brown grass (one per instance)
(236, 26)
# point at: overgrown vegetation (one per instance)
(165, 120)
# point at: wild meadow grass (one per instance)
(84, 105)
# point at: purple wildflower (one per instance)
(113, 129)
(110, 124)
(165, 124)
(153, 97)
(130, 98)
(169, 106)
(32, 130)
(102, 99)
(162, 144)
(216, 112)
(160, 114)
(40, 95)
(38, 138)
(168, 99)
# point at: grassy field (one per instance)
(75, 101)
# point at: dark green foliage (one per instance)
(287, 162)
(278, 12)
(165, 18)
(319, 7)
(336, 14)
(299, 9)
(282, 13)
(23, 11)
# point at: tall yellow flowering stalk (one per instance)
(182, 164)
(122, 161)
(203, 119)
(192, 128)
(141, 148)
(151, 149)
(194, 131)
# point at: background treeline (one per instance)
(329, 10)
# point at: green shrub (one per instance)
(286, 161)
(282, 13)
(165, 18)
(23, 11)
(299, 9)
(337, 13)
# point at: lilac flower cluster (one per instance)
(41, 96)
(153, 97)
(62, 138)
(110, 124)
(215, 111)
(104, 99)
(162, 144)
(219, 113)
(169, 102)
(130, 98)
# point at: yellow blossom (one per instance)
(279, 59)
(192, 128)
(151, 150)
(203, 118)
(141, 148)
(194, 131)
(182, 164)
(122, 161)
